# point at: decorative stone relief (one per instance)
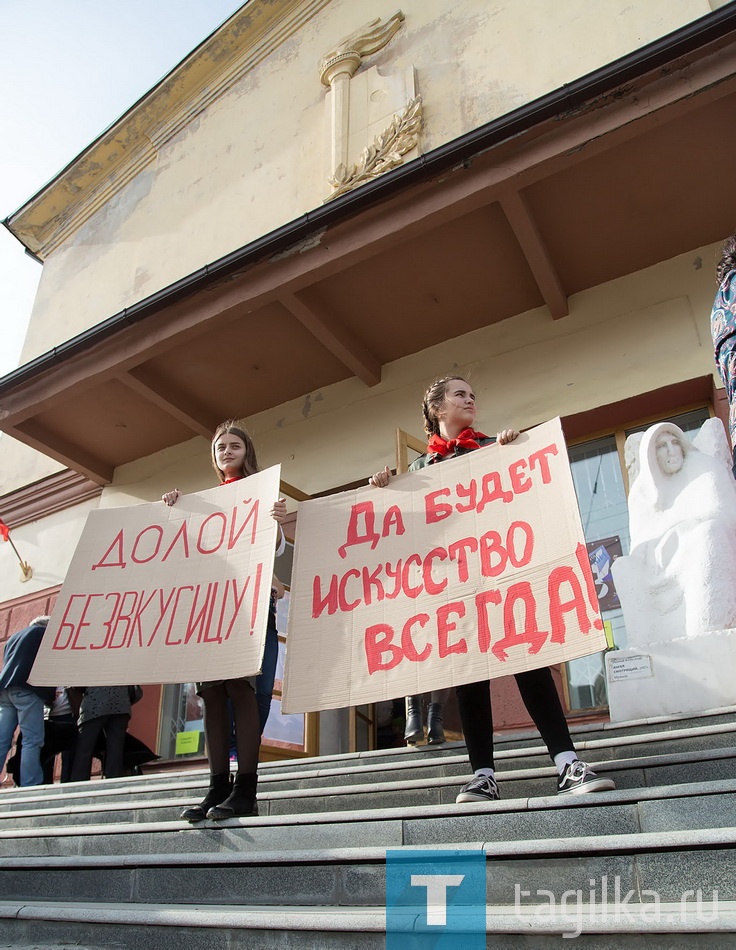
(374, 119)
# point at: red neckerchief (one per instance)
(437, 447)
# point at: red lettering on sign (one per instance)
(358, 534)
(445, 627)
(530, 633)
(378, 642)
(407, 643)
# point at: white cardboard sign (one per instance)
(167, 595)
(466, 570)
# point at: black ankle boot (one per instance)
(414, 731)
(218, 791)
(435, 729)
(241, 802)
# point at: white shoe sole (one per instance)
(469, 797)
(595, 785)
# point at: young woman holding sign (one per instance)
(233, 458)
(449, 415)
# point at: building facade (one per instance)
(328, 204)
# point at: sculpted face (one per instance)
(670, 456)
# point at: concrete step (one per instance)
(411, 764)
(519, 872)
(593, 741)
(708, 805)
(642, 926)
(405, 787)
(108, 864)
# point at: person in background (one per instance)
(414, 731)
(22, 704)
(61, 736)
(723, 330)
(449, 412)
(106, 710)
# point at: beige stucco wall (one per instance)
(255, 158)
(21, 465)
(47, 545)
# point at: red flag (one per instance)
(4, 531)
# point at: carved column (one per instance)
(336, 70)
(337, 73)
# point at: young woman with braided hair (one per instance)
(234, 457)
(449, 412)
(723, 329)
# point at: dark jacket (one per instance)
(18, 658)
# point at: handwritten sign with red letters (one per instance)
(463, 571)
(167, 595)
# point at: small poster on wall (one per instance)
(602, 554)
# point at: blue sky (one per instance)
(69, 68)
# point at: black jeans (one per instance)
(60, 739)
(540, 697)
(114, 728)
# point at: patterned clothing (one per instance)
(723, 330)
(104, 701)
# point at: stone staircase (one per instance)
(108, 864)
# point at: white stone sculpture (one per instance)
(678, 585)
(680, 577)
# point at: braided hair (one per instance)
(434, 397)
(727, 262)
(233, 427)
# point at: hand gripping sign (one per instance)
(466, 570)
(167, 595)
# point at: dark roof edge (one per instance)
(571, 96)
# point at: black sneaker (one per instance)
(481, 789)
(579, 779)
